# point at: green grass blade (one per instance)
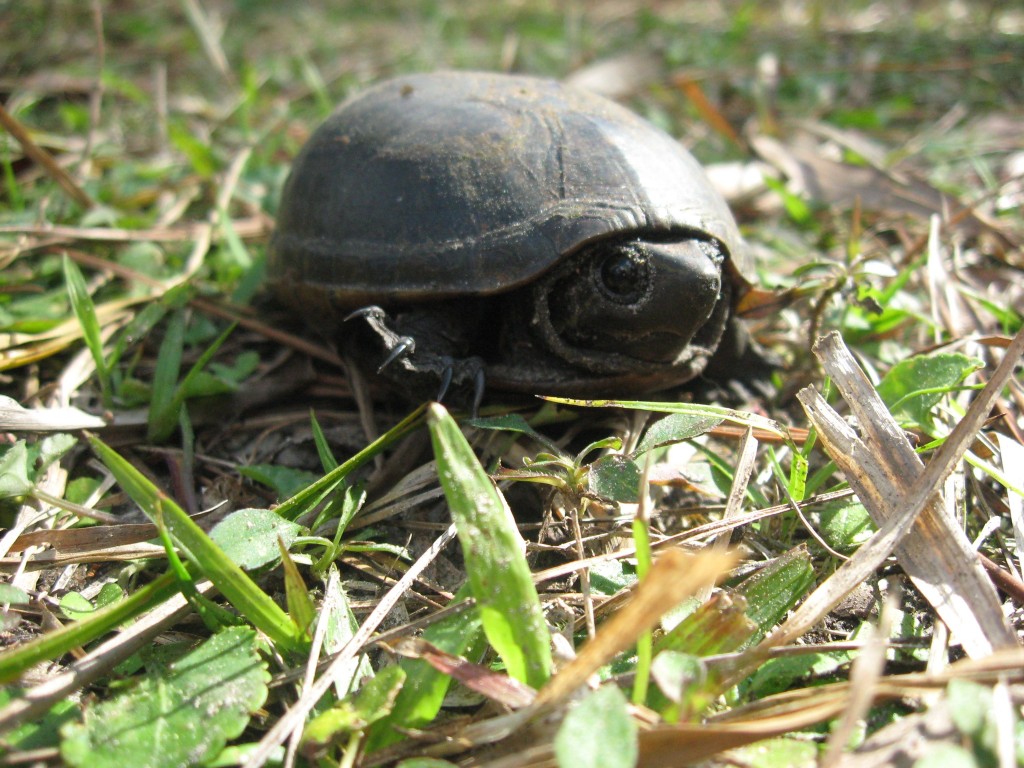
(85, 311)
(309, 495)
(53, 645)
(493, 550)
(233, 583)
(704, 410)
(162, 416)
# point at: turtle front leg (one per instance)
(419, 353)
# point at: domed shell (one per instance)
(439, 185)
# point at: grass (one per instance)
(773, 581)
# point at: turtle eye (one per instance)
(622, 276)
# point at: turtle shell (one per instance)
(441, 185)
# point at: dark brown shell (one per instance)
(447, 184)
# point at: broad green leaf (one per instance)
(598, 732)
(913, 387)
(249, 536)
(180, 717)
(76, 607)
(52, 448)
(611, 576)
(783, 673)
(494, 554)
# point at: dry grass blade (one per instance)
(495, 686)
(673, 577)
(16, 418)
(44, 158)
(882, 468)
(867, 670)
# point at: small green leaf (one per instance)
(359, 710)
(52, 448)
(40, 733)
(598, 732)
(249, 536)
(494, 554)
(675, 428)
(14, 479)
(783, 673)
(615, 478)
(913, 387)
(163, 416)
(421, 697)
(300, 604)
(75, 607)
(941, 755)
(323, 447)
(180, 717)
(509, 422)
(781, 753)
(12, 595)
(844, 524)
(775, 589)
(285, 481)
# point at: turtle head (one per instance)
(617, 305)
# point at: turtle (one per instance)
(462, 228)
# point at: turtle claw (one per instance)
(478, 391)
(404, 345)
(369, 311)
(446, 381)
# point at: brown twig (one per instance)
(14, 127)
